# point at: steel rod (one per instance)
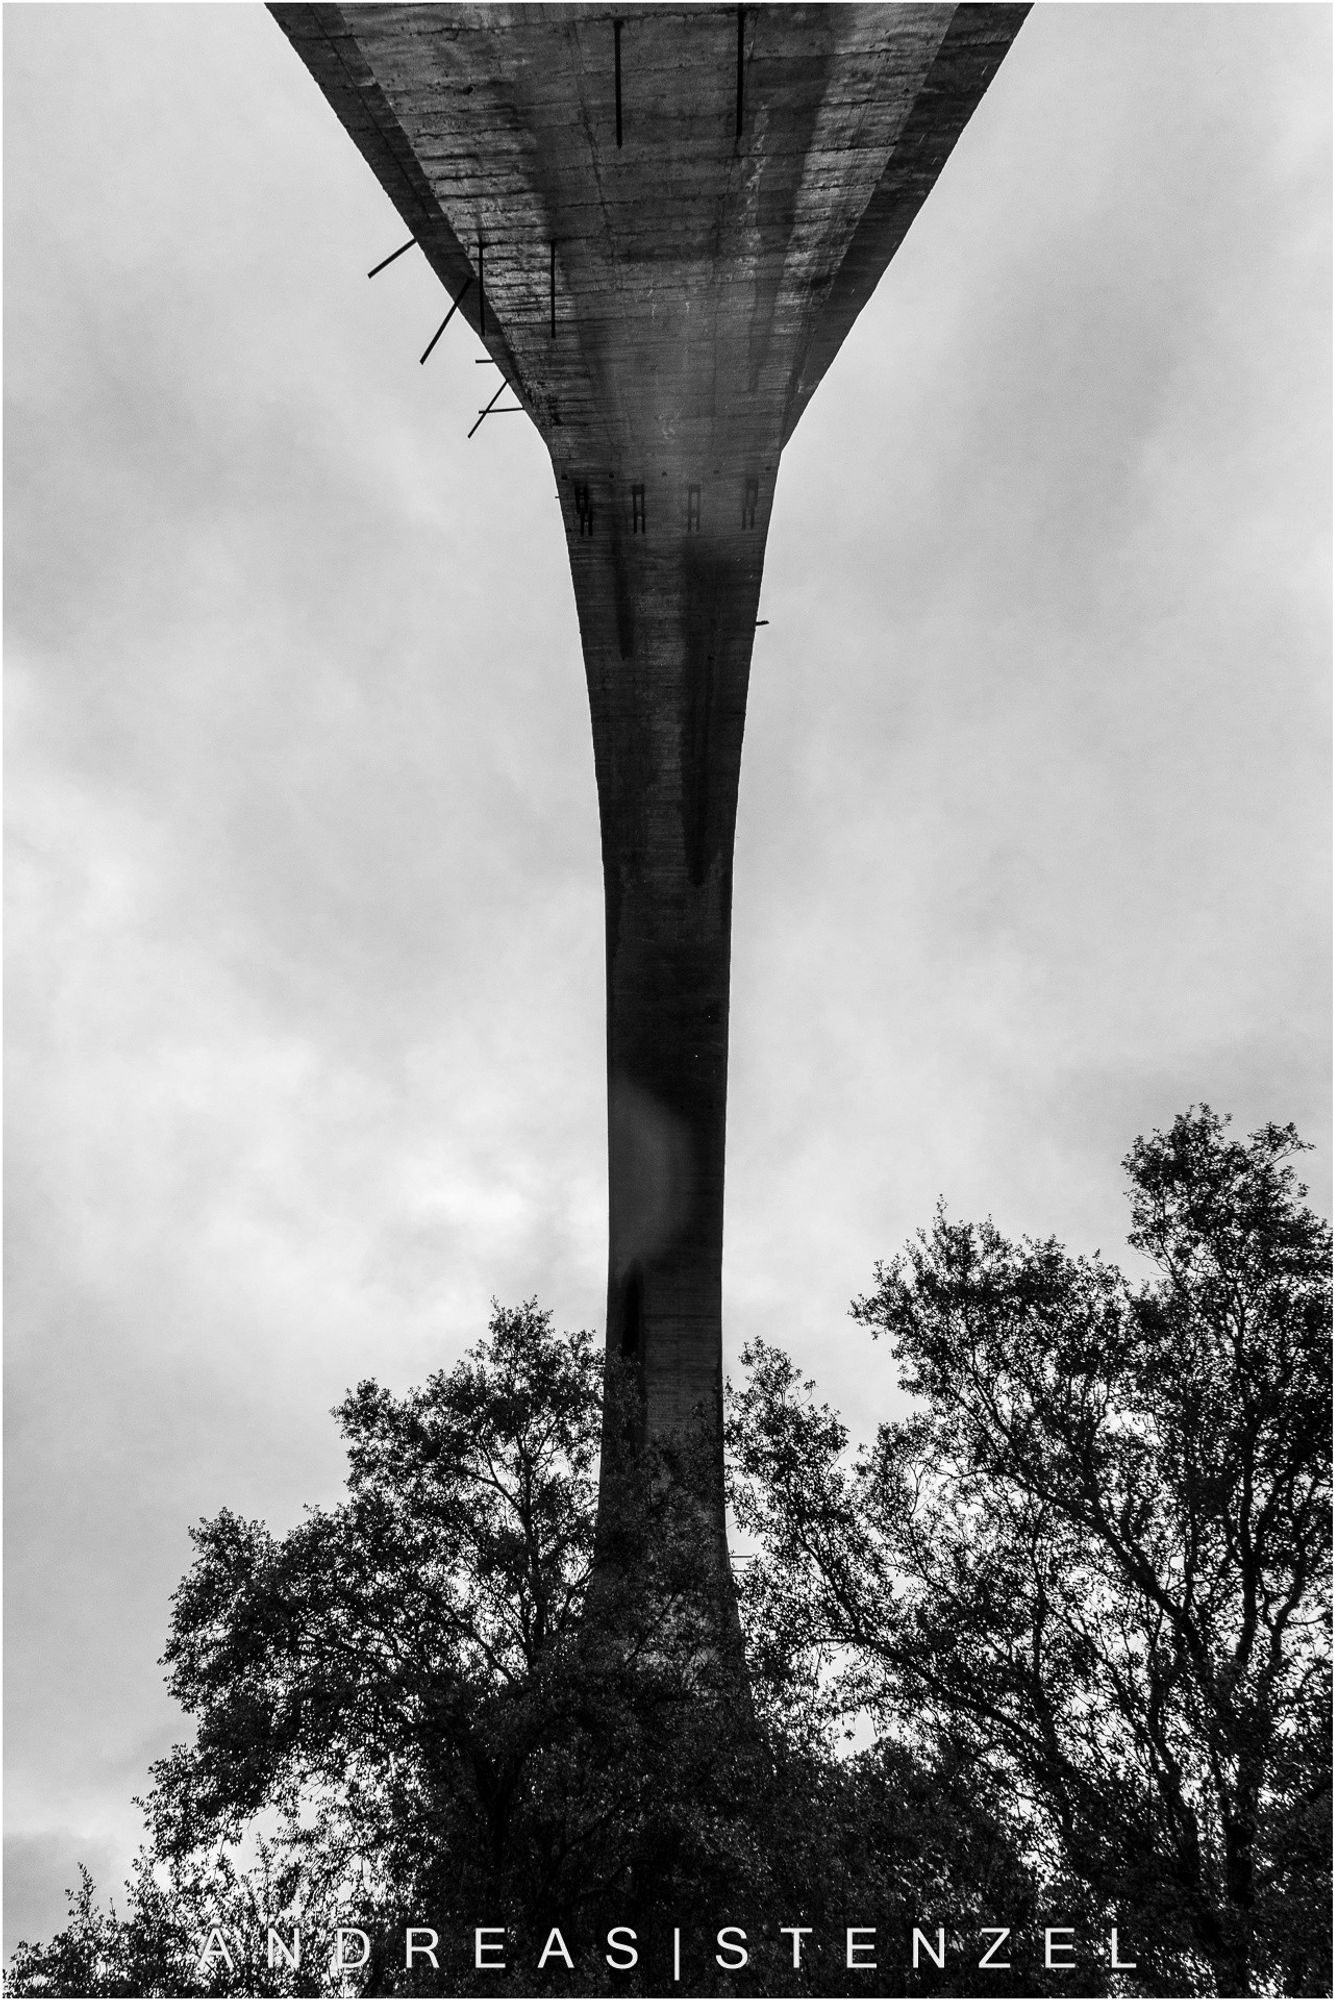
(490, 406)
(384, 265)
(616, 31)
(447, 318)
(740, 67)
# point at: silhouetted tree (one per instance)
(1095, 1560)
(1077, 1596)
(416, 1696)
(414, 1676)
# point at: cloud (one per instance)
(305, 924)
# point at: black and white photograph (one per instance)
(667, 724)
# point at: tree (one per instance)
(1076, 1593)
(418, 1697)
(176, 1911)
(1094, 1561)
(414, 1680)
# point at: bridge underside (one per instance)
(661, 222)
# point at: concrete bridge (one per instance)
(661, 221)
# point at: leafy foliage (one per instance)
(1095, 1560)
(1075, 1599)
(396, 1651)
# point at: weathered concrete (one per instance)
(707, 266)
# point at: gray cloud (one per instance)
(305, 987)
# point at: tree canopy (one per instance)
(1095, 1557)
(1049, 1651)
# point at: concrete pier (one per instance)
(661, 221)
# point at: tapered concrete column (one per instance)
(667, 568)
(667, 580)
(662, 221)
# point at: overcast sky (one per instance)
(304, 901)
